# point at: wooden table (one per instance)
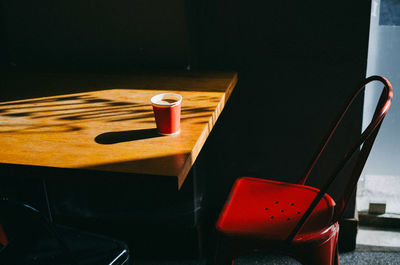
(103, 123)
(107, 122)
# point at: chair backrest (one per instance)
(366, 139)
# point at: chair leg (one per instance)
(324, 254)
(337, 262)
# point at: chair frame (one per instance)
(362, 147)
(366, 139)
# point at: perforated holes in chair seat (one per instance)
(271, 209)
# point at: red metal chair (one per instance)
(295, 219)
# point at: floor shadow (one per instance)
(126, 136)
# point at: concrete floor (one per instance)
(374, 246)
(362, 256)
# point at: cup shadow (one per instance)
(126, 136)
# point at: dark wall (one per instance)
(252, 34)
(297, 63)
(95, 34)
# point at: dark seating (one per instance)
(26, 237)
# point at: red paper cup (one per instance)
(167, 112)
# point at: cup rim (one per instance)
(155, 100)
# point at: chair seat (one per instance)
(271, 209)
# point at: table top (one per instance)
(105, 121)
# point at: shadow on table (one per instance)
(126, 136)
(67, 113)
